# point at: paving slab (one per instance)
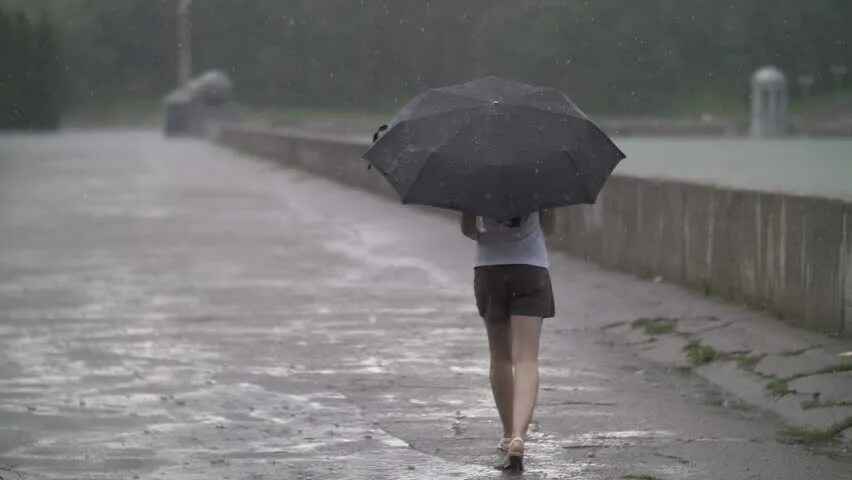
(789, 365)
(830, 388)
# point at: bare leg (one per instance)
(525, 333)
(500, 345)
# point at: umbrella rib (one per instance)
(430, 115)
(546, 90)
(457, 95)
(408, 123)
(588, 120)
(536, 109)
(463, 128)
(404, 195)
(581, 175)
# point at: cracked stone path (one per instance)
(171, 309)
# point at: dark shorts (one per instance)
(505, 290)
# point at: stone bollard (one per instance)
(768, 103)
(177, 106)
(192, 108)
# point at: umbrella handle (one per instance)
(480, 224)
(378, 133)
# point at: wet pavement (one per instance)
(172, 309)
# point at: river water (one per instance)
(814, 167)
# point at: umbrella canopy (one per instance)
(494, 148)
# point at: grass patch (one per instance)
(149, 112)
(290, 115)
(699, 354)
(836, 368)
(710, 101)
(818, 102)
(655, 326)
(815, 436)
(612, 325)
(645, 274)
(125, 112)
(781, 386)
(816, 403)
(793, 353)
(641, 477)
(748, 362)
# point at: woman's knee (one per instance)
(499, 342)
(526, 362)
(501, 356)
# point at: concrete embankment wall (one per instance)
(791, 255)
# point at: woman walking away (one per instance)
(513, 295)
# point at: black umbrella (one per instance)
(494, 148)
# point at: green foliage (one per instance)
(32, 81)
(699, 354)
(654, 56)
(748, 362)
(806, 436)
(655, 326)
(611, 325)
(781, 386)
(816, 403)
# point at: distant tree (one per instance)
(613, 55)
(21, 71)
(6, 71)
(32, 85)
(48, 78)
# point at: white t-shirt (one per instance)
(502, 244)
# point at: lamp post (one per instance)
(184, 43)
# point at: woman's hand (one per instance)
(468, 226)
(547, 218)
